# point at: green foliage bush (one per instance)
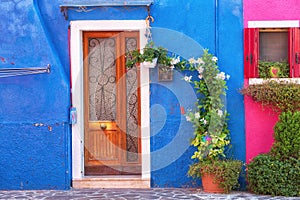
(287, 136)
(269, 175)
(278, 172)
(282, 96)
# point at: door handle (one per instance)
(103, 126)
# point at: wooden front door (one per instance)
(111, 105)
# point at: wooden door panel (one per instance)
(103, 146)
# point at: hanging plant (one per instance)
(282, 95)
(150, 53)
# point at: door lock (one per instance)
(103, 126)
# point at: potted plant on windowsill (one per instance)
(268, 69)
(211, 135)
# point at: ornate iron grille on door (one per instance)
(102, 79)
(132, 106)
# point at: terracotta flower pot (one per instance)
(209, 185)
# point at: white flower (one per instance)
(187, 78)
(204, 121)
(192, 61)
(200, 76)
(197, 115)
(174, 61)
(172, 67)
(188, 118)
(227, 76)
(221, 75)
(215, 59)
(200, 61)
(220, 113)
(200, 70)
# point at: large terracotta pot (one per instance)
(209, 185)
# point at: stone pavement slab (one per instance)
(132, 194)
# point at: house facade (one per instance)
(283, 27)
(72, 115)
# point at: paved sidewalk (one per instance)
(131, 194)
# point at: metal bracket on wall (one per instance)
(10, 72)
(81, 6)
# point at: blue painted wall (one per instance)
(34, 130)
(230, 52)
(216, 25)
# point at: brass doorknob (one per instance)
(103, 126)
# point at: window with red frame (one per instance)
(276, 44)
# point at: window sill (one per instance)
(256, 81)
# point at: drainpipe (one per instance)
(216, 28)
(69, 52)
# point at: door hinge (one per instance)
(250, 58)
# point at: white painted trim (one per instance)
(273, 24)
(77, 27)
(256, 81)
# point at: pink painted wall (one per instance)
(260, 122)
(255, 10)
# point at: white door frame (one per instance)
(76, 53)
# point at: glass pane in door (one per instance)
(132, 106)
(102, 79)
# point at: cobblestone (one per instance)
(131, 194)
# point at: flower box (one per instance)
(150, 64)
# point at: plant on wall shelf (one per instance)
(151, 53)
(269, 69)
(210, 125)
